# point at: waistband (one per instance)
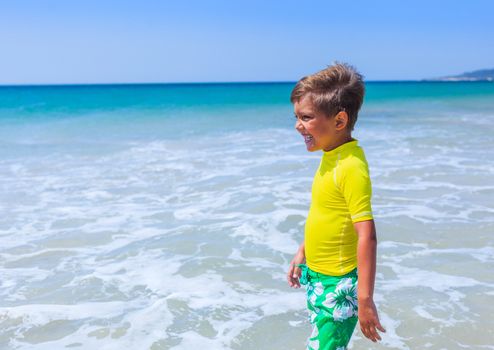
(309, 275)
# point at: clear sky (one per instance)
(117, 41)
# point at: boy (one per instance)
(340, 236)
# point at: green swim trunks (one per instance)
(333, 309)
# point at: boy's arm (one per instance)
(294, 272)
(366, 266)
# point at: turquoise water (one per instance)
(165, 216)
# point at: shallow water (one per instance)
(161, 219)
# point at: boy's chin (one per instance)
(313, 148)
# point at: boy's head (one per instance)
(327, 104)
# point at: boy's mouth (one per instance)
(309, 140)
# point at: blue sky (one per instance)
(197, 41)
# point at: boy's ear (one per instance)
(341, 120)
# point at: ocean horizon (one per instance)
(164, 215)
(230, 82)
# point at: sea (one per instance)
(165, 216)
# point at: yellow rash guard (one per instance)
(341, 196)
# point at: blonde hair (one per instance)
(337, 88)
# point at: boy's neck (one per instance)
(338, 142)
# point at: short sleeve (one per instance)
(357, 190)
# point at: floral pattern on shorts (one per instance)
(333, 308)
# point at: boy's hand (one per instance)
(368, 319)
(294, 272)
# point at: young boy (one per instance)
(340, 236)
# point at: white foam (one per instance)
(209, 223)
(422, 312)
(38, 314)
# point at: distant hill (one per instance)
(478, 75)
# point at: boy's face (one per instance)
(318, 130)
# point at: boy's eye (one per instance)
(304, 117)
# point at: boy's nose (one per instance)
(298, 125)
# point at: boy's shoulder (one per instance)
(353, 164)
(355, 158)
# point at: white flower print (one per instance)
(330, 300)
(313, 344)
(313, 341)
(315, 332)
(342, 313)
(318, 288)
(313, 314)
(315, 291)
(343, 301)
(344, 285)
(347, 288)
